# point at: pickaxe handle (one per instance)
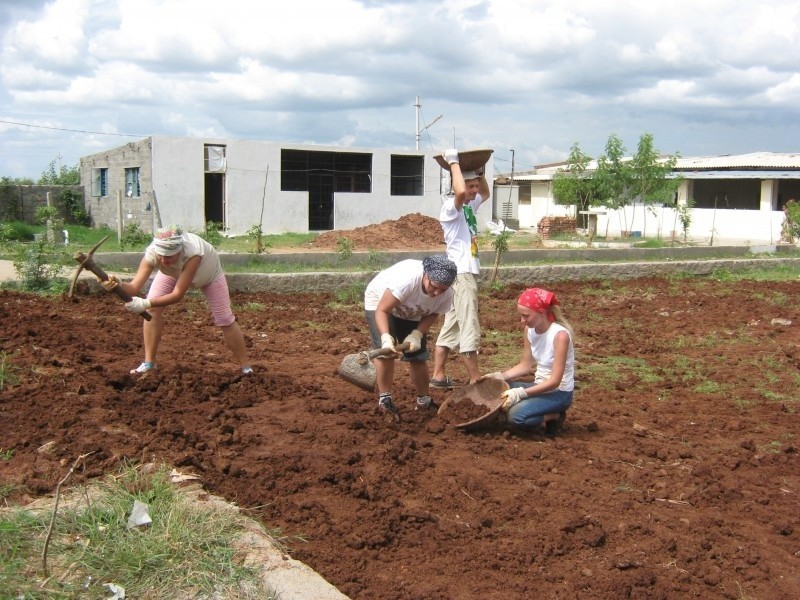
(87, 262)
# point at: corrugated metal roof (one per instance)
(757, 174)
(764, 165)
(755, 160)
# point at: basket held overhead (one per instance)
(470, 160)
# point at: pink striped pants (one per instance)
(216, 293)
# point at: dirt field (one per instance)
(676, 475)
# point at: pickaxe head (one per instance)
(83, 259)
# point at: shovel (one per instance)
(359, 370)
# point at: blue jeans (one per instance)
(529, 413)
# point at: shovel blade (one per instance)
(358, 371)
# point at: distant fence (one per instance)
(19, 202)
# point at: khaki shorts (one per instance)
(461, 329)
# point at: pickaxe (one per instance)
(86, 261)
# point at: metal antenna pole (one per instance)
(416, 129)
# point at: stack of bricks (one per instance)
(549, 226)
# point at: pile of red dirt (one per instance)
(410, 232)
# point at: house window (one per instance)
(132, 183)
(407, 172)
(99, 183)
(214, 158)
(303, 170)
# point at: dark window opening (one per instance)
(407, 175)
(322, 174)
(349, 171)
(788, 189)
(742, 194)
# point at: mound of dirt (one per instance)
(410, 232)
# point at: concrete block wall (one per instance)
(103, 210)
(19, 202)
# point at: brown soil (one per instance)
(464, 411)
(676, 474)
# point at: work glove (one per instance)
(450, 156)
(496, 375)
(414, 341)
(512, 396)
(137, 305)
(110, 283)
(387, 341)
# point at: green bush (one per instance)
(134, 237)
(39, 264)
(212, 233)
(791, 225)
(17, 231)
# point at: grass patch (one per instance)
(606, 372)
(709, 386)
(8, 371)
(185, 552)
(249, 307)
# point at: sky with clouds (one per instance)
(527, 78)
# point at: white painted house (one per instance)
(736, 197)
(241, 183)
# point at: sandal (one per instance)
(143, 368)
(444, 384)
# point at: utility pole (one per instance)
(418, 131)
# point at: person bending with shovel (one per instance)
(184, 260)
(401, 303)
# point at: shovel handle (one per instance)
(384, 351)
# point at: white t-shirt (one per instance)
(460, 232)
(404, 281)
(193, 245)
(544, 353)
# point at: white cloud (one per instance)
(532, 76)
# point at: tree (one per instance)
(649, 177)
(64, 175)
(612, 178)
(573, 185)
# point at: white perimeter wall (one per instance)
(743, 225)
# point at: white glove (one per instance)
(387, 341)
(414, 341)
(110, 283)
(495, 375)
(512, 396)
(137, 305)
(450, 156)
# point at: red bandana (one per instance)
(539, 300)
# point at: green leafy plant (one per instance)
(344, 247)
(39, 264)
(683, 212)
(7, 370)
(791, 220)
(73, 207)
(213, 233)
(133, 237)
(256, 233)
(500, 244)
(49, 217)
